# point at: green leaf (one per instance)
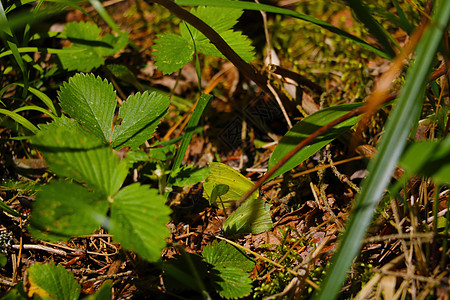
(52, 282)
(218, 191)
(103, 293)
(138, 218)
(73, 152)
(17, 293)
(232, 266)
(304, 128)
(277, 10)
(223, 174)
(139, 115)
(253, 216)
(85, 36)
(172, 52)
(19, 119)
(64, 209)
(222, 23)
(398, 127)
(189, 175)
(429, 159)
(91, 101)
(3, 260)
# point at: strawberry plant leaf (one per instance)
(231, 278)
(85, 36)
(48, 281)
(73, 152)
(139, 115)
(253, 216)
(64, 209)
(303, 129)
(138, 218)
(91, 101)
(174, 51)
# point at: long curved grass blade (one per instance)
(283, 11)
(391, 146)
(202, 103)
(374, 27)
(19, 119)
(43, 97)
(105, 16)
(39, 49)
(37, 108)
(10, 40)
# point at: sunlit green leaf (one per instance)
(223, 174)
(139, 116)
(252, 216)
(52, 282)
(91, 101)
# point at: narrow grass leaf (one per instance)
(139, 210)
(304, 128)
(19, 119)
(202, 103)
(372, 25)
(405, 112)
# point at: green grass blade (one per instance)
(283, 11)
(11, 42)
(37, 108)
(39, 49)
(43, 97)
(192, 124)
(404, 23)
(391, 146)
(372, 25)
(19, 119)
(105, 16)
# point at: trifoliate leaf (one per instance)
(140, 115)
(252, 216)
(64, 209)
(188, 175)
(91, 101)
(73, 152)
(85, 36)
(232, 266)
(172, 52)
(141, 211)
(52, 282)
(223, 174)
